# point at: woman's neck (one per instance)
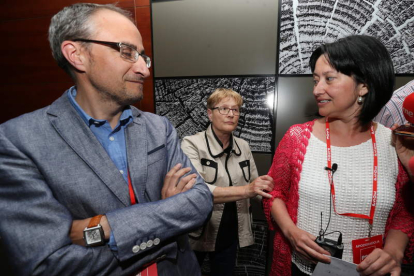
(343, 133)
(223, 137)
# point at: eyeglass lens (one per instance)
(226, 110)
(133, 55)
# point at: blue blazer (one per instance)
(53, 170)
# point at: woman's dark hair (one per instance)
(367, 60)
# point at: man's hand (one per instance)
(76, 232)
(404, 146)
(260, 186)
(175, 183)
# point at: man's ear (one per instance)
(74, 54)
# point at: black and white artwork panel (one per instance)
(183, 101)
(306, 24)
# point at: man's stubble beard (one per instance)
(107, 96)
(120, 97)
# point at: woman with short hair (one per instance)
(227, 166)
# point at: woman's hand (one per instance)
(379, 262)
(300, 240)
(387, 260)
(304, 244)
(260, 186)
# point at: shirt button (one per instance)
(150, 243)
(121, 171)
(143, 246)
(111, 138)
(135, 249)
(156, 241)
(208, 162)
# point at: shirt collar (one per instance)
(229, 147)
(126, 115)
(215, 147)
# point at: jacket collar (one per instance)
(215, 147)
(73, 130)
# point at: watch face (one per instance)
(93, 236)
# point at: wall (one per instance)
(202, 38)
(234, 37)
(215, 38)
(30, 78)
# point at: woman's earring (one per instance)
(360, 100)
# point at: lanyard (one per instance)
(370, 218)
(131, 191)
(150, 268)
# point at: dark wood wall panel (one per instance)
(20, 9)
(30, 77)
(143, 20)
(26, 53)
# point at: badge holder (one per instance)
(361, 248)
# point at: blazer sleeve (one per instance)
(35, 226)
(164, 219)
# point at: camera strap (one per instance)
(369, 217)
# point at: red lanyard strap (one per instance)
(131, 191)
(370, 218)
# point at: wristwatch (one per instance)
(93, 233)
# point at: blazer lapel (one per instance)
(80, 138)
(137, 148)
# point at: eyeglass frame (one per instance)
(118, 46)
(221, 108)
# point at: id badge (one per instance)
(149, 271)
(361, 248)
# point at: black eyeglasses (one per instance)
(126, 51)
(225, 110)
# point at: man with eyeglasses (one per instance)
(91, 163)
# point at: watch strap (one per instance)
(95, 221)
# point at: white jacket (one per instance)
(206, 155)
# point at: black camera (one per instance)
(335, 248)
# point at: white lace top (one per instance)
(353, 188)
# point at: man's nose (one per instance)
(140, 67)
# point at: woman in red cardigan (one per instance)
(338, 177)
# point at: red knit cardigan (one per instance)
(285, 171)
